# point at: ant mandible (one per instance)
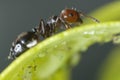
(26, 40)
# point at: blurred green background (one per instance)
(19, 16)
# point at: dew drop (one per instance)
(90, 32)
(41, 55)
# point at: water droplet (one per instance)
(41, 55)
(90, 32)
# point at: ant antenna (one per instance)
(74, 8)
(94, 19)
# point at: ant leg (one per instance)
(67, 26)
(41, 27)
(80, 21)
(44, 29)
(94, 19)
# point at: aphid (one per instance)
(26, 40)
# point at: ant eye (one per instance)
(70, 15)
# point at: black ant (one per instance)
(26, 40)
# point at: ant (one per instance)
(26, 40)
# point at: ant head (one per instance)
(70, 15)
(73, 16)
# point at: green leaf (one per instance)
(52, 59)
(109, 12)
(106, 13)
(111, 68)
(53, 54)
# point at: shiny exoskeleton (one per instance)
(23, 42)
(26, 40)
